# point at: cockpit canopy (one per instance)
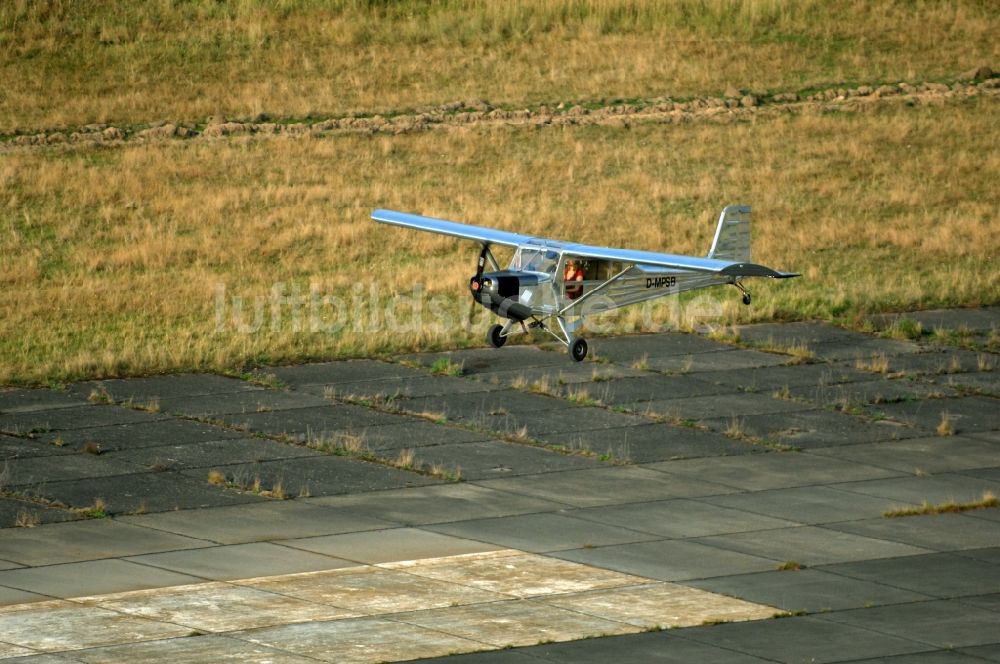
(535, 259)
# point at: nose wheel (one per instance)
(495, 336)
(578, 350)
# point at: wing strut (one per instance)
(604, 285)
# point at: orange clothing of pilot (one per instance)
(573, 273)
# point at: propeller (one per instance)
(475, 284)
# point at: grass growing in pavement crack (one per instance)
(338, 444)
(987, 500)
(445, 367)
(517, 435)
(261, 379)
(737, 431)
(254, 486)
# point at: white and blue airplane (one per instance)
(550, 280)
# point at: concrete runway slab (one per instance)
(789, 639)
(809, 590)
(87, 540)
(812, 505)
(961, 487)
(408, 433)
(682, 518)
(967, 414)
(939, 532)
(324, 475)
(559, 378)
(443, 503)
(209, 454)
(143, 491)
(478, 407)
(810, 545)
(650, 487)
(475, 361)
(257, 522)
(511, 624)
(939, 575)
(408, 387)
(13, 447)
(807, 429)
(722, 360)
(472, 601)
(13, 512)
(26, 423)
(144, 389)
(774, 471)
(314, 421)
(616, 485)
(938, 454)
(334, 373)
(642, 389)
(172, 431)
(728, 405)
(190, 650)
(235, 561)
(647, 443)
(670, 560)
(819, 374)
(940, 623)
(495, 458)
(389, 544)
(13, 400)
(540, 533)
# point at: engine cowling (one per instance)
(500, 292)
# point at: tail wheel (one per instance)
(578, 350)
(495, 338)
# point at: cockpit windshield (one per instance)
(535, 260)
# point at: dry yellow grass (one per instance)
(68, 63)
(987, 501)
(114, 259)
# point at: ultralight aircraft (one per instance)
(550, 280)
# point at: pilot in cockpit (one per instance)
(574, 279)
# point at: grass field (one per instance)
(116, 260)
(68, 63)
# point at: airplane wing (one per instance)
(636, 257)
(466, 231)
(673, 261)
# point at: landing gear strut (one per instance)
(497, 335)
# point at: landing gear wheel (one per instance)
(746, 298)
(494, 338)
(578, 350)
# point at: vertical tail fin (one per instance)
(732, 237)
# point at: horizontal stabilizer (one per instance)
(754, 270)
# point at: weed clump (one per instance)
(445, 367)
(946, 427)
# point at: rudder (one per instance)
(732, 236)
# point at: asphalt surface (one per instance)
(683, 498)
